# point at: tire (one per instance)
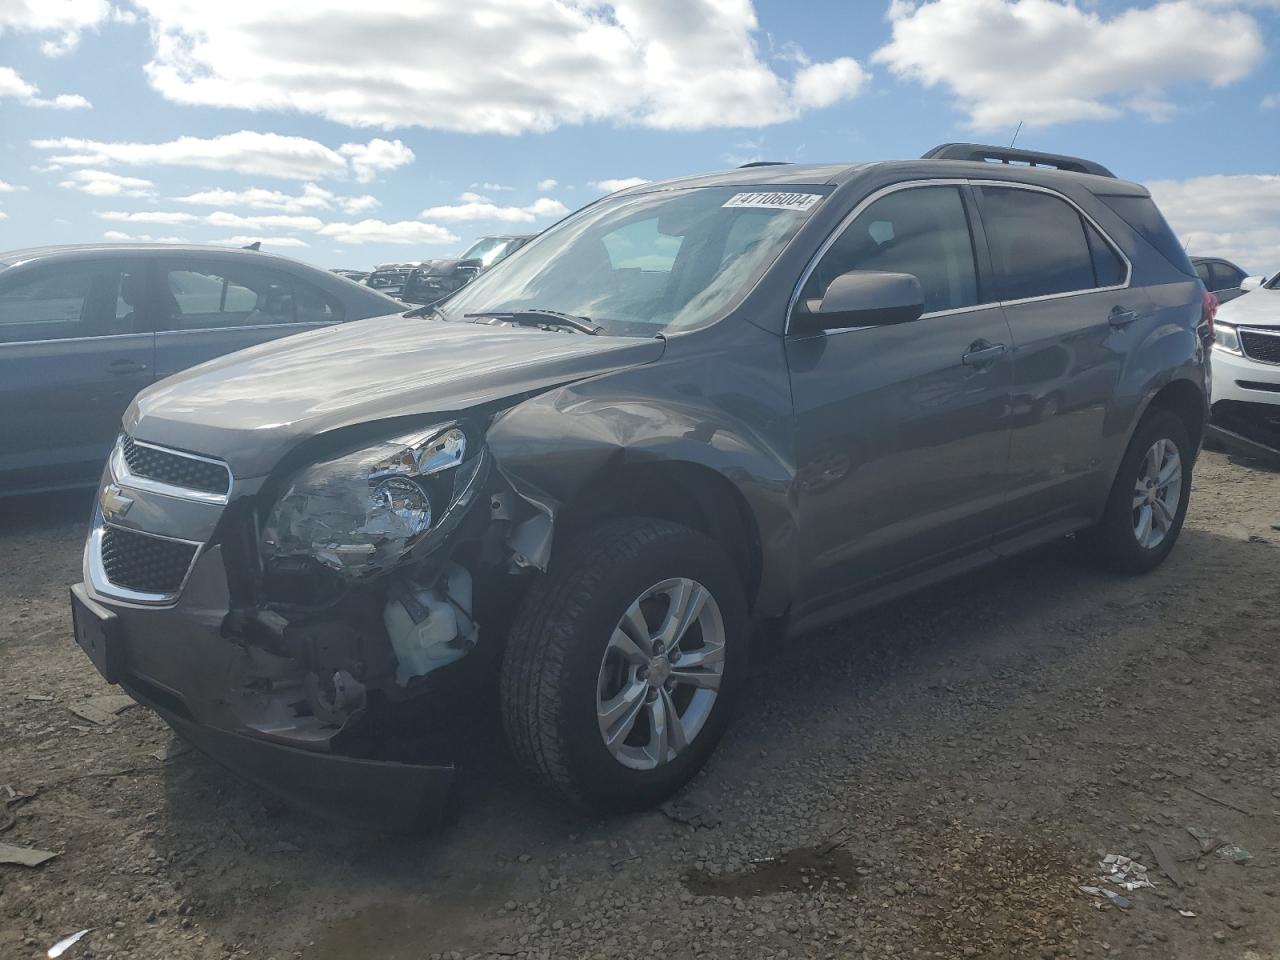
(562, 658)
(1113, 543)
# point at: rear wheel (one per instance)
(622, 664)
(1149, 498)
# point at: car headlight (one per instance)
(364, 512)
(1226, 337)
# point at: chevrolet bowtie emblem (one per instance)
(113, 502)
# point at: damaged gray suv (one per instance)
(693, 415)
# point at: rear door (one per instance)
(1066, 291)
(207, 308)
(75, 347)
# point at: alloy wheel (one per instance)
(660, 674)
(1157, 493)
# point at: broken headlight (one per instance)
(362, 512)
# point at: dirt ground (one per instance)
(933, 779)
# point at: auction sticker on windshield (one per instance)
(774, 200)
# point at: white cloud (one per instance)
(370, 159)
(8, 187)
(621, 183)
(13, 87)
(492, 187)
(148, 216)
(102, 183)
(248, 152)
(377, 231)
(1054, 61)
(142, 237)
(68, 18)
(825, 84)
(244, 241)
(273, 221)
(499, 67)
(473, 206)
(1271, 101)
(548, 184)
(1237, 217)
(312, 197)
(3, 215)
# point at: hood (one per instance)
(250, 408)
(1257, 308)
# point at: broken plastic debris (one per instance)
(176, 747)
(1124, 872)
(24, 856)
(1120, 901)
(62, 946)
(1203, 837)
(1232, 853)
(102, 710)
(1185, 913)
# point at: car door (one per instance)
(75, 347)
(208, 307)
(902, 434)
(1067, 294)
(1226, 280)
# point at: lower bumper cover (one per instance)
(383, 795)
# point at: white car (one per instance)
(1246, 355)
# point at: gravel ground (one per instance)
(934, 779)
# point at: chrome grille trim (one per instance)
(123, 474)
(1268, 348)
(96, 573)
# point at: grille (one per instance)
(145, 564)
(174, 469)
(1261, 346)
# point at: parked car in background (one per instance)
(84, 328)
(389, 278)
(765, 397)
(436, 279)
(1246, 363)
(355, 276)
(1220, 277)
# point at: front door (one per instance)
(75, 347)
(902, 430)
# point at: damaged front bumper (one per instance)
(176, 662)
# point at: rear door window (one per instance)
(1038, 244)
(923, 231)
(81, 300)
(1225, 276)
(197, 296)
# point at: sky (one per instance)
(349, 134)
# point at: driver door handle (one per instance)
(982, 353)
(123, 367)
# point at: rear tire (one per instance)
(574, 673)
(1148, 501)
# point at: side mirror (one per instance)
(1252, 283)
(861, 298)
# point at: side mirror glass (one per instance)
(861, 298)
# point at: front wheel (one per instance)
(1149, 498)
(622, 664)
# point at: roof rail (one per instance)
(765, 163)
(1008, 155)
(256, 245)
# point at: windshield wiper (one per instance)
(533, 316)
(423, 311)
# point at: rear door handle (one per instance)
(1120, 317)
(122, 367)
(982, 353)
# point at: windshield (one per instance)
(487, 250)
(653, 263)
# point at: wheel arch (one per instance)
(1186, 400)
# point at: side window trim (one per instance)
(1106, 238)
(986, 271)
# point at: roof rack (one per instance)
(765, 163)
(1008, 155)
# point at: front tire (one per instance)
(1148, 500)
(623, 662)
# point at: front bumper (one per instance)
(1244, 380)
(175, 660)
